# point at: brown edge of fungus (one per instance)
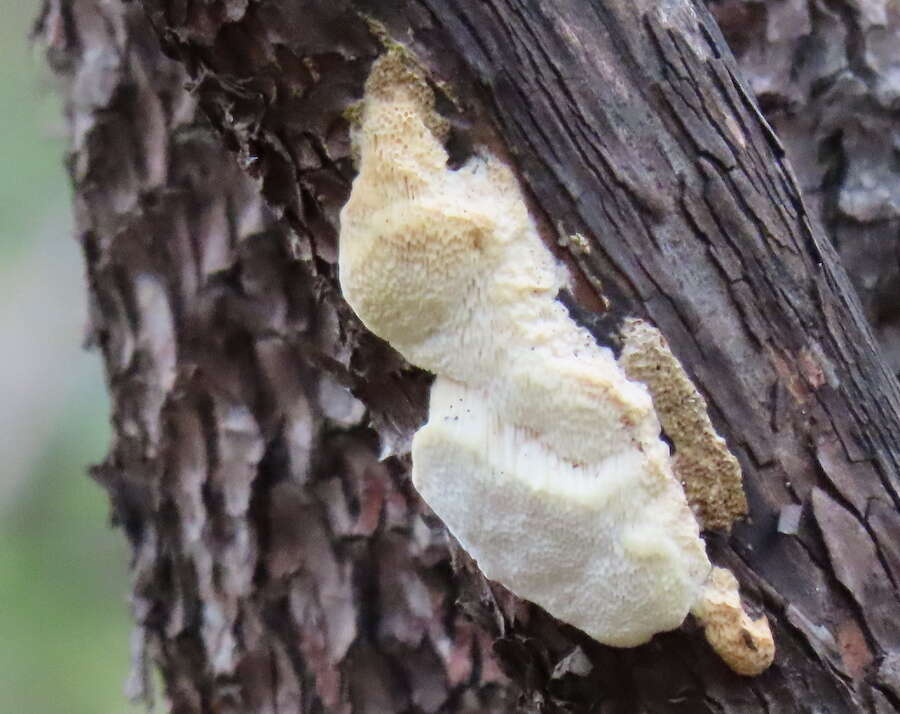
(713, 484)
(744, 644)
(708, 471)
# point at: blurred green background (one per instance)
(64, 622)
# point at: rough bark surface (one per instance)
(826, 76)
(279, 566)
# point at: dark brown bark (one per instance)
(825, 74)
(279, 566)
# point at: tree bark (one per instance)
(825, 74)
(279, 564)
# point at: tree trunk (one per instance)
(825, 74)
(282, 560)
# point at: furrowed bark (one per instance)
(279, 566)
(825, 74)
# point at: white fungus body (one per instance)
(539, 455)
(598, 545)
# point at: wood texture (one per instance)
(825, 74)
(278, 566)
(257, 515)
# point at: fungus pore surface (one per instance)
(708, 471)
(540, 455)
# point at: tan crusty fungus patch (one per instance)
(745, 645)
(540, 455)
(709, 472)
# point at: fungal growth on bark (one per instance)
(709, 473)
(540, 455)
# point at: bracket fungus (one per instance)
(541, 455)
